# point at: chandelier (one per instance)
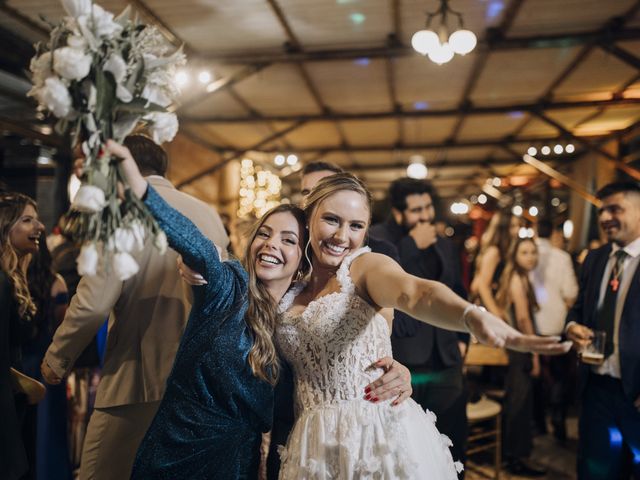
(439, 45)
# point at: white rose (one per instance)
(156, 94)
(164, 126)
(130, 239)
(160, 242)
(89, 199)
(100, 22)
(77, 8)
(55, 96)
(124, 266)
(77, 41)
(124, 241)
(71, 63)
(139, 233)
(88, 259)
(118, 68)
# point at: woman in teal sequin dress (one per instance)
(219, 395)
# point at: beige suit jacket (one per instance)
(147, 315)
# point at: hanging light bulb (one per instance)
(463, 41)
(424, 41)
(417, 170)
(442, 54)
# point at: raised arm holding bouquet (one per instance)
(101, 77)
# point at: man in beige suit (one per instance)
(147, 315)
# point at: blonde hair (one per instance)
(334, 184)
(262, 311)
(12, 206)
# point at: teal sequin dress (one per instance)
(209, 422)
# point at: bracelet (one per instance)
(465, 313)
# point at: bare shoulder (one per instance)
(368, 261)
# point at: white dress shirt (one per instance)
(555, 285)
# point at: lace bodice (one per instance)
(333, 344)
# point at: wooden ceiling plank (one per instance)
(395, 50)
(23, 19)
(238, 153)
(620, 165)
(327, 115)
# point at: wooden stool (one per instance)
(484, 418)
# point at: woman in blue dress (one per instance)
(219, 395)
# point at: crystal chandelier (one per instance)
(439, 45)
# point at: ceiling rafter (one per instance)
(601, 109)
(493, 44)
(23, 19)
(418, 146)
(482, 55)
(620, 165)
(392, 87)
(295, 45)
(622, 54)
(607, 35)
(239, 153)
(471, 110)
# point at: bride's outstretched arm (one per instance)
(436, 304)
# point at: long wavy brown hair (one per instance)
(12, 206)
(511, 268)
(262, 312)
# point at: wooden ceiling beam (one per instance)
(622, 54)
(417, 146)
(471, 110)
(620, 165)
(481, 57)
(398, 50)
(236, 154)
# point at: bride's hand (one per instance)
(493, 331)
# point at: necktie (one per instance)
(607, 312)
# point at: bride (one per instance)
(333, 330)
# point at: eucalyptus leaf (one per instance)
(106, 95)
(100, 180)
(139, 106)
(124, 125)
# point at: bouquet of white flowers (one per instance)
(101, 77)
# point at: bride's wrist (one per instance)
(472, 307)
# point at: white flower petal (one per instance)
(89, 199)
(88, 259)
(124, 266)
(164, 126)
(71, 63)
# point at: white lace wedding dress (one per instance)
(331, 346)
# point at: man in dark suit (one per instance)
(434, 355)
(609, 301)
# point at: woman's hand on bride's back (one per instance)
(190, 276)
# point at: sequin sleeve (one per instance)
(198, 251)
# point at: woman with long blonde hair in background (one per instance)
(516, 298)
(20, 232)
(494, 246)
